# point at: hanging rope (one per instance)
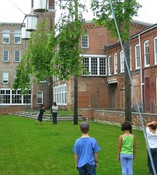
(138, 109)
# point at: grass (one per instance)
(27, 149)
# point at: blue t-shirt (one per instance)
(85, 147)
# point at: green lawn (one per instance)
(28, 149)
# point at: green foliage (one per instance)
(35, 64)
(66, 58)
(124, 11)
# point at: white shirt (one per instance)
(152, 138)
(54, 108)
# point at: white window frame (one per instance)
(85, 41)
(5, 56)
(19, 56)
(155, 50)
(137, 56)
(6, 36)
(115, 63)
(60, 94)
(130, 58)
(39, 97)
(5, 77)
(156, 90)
(121, 62)
(109, 65)
(17, 37)
(13, 97)
(99, 68)
(146, 54)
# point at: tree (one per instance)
(35, 64)
(67, 60)
(124, 10)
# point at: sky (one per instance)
(15, 11)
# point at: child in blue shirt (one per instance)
(86, 151)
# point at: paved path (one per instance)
(48, 117)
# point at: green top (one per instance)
(127, 144)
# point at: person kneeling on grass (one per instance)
(86, 152)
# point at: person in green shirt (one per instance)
(126, 148)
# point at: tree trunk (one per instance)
(128, 114)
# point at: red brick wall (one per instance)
(115, 117)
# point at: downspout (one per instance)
(141, 75)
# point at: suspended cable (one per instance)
(138, 109)
(17, 7)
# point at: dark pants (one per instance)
(54, 116)
(154, 157)
(87, 170)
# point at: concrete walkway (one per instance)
(47, 117)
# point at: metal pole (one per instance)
(141, 118)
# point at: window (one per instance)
(115, 63)
(137, 56)
(109, 66)
(146, 54)
(130, 58)
(5, 36)
(5, 56)
(17, 56)
(155, 50)
(16, 97)
(17, 37)
(13, 97)
(121, 61)
(156, 90)
(39, 97)
(85, 41)
(60, 94)
(94, 65)
(5, 78)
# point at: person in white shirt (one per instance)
(151, 131)
(54, 112)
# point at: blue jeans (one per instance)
(154, 157)
(87, 170)
(126, 163)
(54, 115)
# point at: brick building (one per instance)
(12, 48)
(104, 86)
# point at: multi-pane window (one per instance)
(156, 90)
(60, 94)
(6, 37)
(137, 56)
(5, 55)
(115, 63)
(85, 41)
(17, 37)
(109, 66)
(130, 58)
(86, 65)
(121, 61)
(5, 78)
(39, 97)
(146, 53)
(155, 50)
(17, 56)
(11, 96)
(5, 96)
(94, 65)
(16, 97)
